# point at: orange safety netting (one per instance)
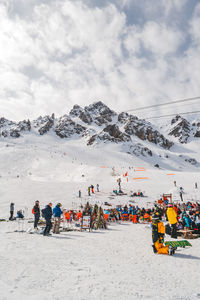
(140, 169)
(136, 178)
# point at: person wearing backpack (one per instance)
(57, 212)
(36, 212)
(47, 214)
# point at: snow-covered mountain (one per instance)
(98, 126)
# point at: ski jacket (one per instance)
(57, 212)
(171, 216)
(187, 221)
(11, 207)
(36, 210)
(20, 215)
(47, 212)
(158, 231)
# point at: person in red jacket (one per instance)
(36, 212)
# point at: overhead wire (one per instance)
(164, 104)
(172, 115)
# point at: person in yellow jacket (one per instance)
(172, 218)
(158, 232)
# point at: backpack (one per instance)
(43, 212)
(33, 212)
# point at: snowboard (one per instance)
(175, 244)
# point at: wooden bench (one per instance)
(187, 233)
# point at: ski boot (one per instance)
(171, 250)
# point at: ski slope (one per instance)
(114, 264)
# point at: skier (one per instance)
(57, 212)
(174, 182)
(181, 193)
(79, 193)
(47, 213)
(88, 190)
(97, 187)
(36, 212)
(196, 185)
(119, 183)
(11, 211)
(92, 188)
(158, 232)
(172, 218)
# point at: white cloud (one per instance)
(59, 53)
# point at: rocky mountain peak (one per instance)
(181, 128)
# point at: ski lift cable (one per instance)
(172, 115)
(164, 104)
(169, 109)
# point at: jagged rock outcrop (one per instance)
(97, 112)
(192, 161)
(13, 129)
(143, 130)
(66, 127)
(76, 111)
(44, 124)
(197, 129)
(181, 129)
(110, 133)
(139, 150)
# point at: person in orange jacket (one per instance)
(146, 217)
(172, 218)
(158, 232)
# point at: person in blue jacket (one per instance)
(47, 214)
(57, 212)
(20, 214)
(187, 221)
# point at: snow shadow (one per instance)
(60, 237)
(112, 229)
(185, 256)
(101, 232)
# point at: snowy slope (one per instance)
(113, 264)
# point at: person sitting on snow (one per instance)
(158, 232)
(19, 214)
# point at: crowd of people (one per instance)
(180, 217)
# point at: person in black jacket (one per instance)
(11, 211)
(47, 213)
(36, 212)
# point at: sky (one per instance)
(127, 53)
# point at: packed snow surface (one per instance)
(117, 263)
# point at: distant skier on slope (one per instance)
(158, 232)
